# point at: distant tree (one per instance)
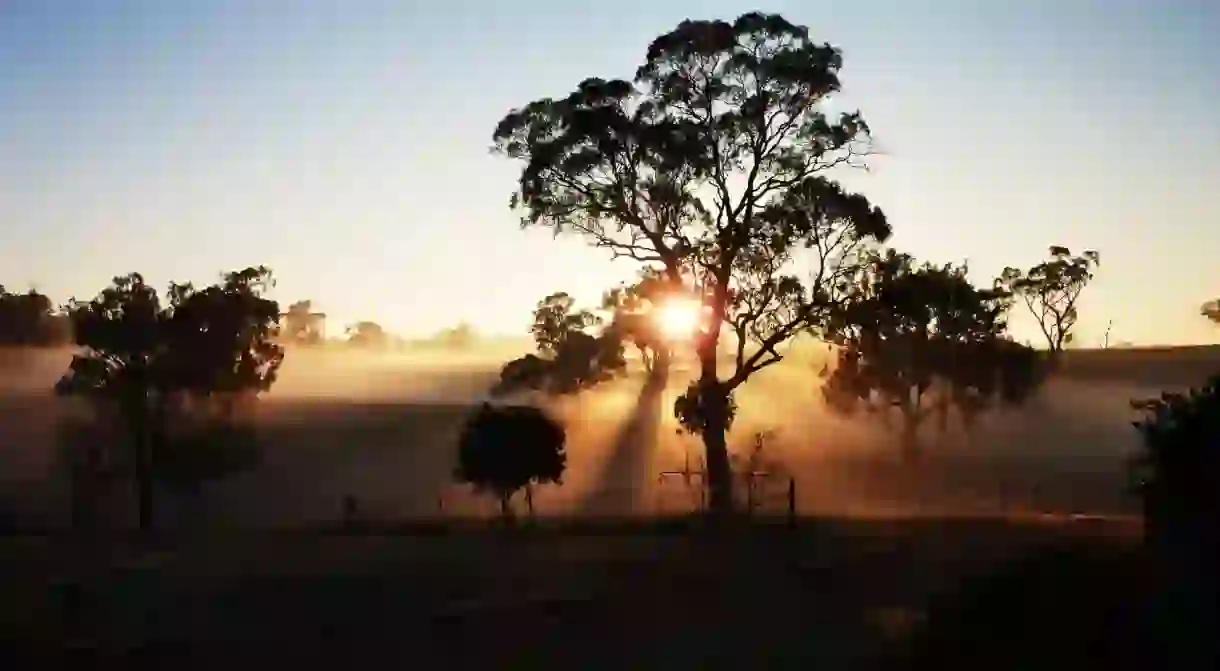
(459, 337)
(569, 359)
(367, 335)
(712, 166)
(301, 324)
(205, 352)
(1211, 310)
(505, 449)
(921, 339)
(29, 319)
(630, 306)
(1051, 290)
(555, 320)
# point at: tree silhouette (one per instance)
(922, 339)
(1176, 472)
(555, 321)
(630, 306)
(712, 169)
(1211, 310)
(29, 320)
(569, 359)
(1051, 289)
(302, 326)
(505, 449)
(205, 352)
(459, 337)
(367, 335)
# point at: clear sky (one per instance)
(345, 144)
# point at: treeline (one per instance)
(30, 319)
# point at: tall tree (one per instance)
(207, 349)
(921, 339)
(714, 163)
(1051, 290)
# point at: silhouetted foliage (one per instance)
(303, 326)
(1051, 290)
(631, 306)
(712, 168)
(205, 353)
(504, 449)
(922, 339)
(30, 320)
(1177, 471)
(555, 321)
(1211, 310)
(459, 337)
(569, 359)
(367, 335)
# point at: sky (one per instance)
(345, 144)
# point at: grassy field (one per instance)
(830, 594)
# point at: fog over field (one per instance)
(383, 428)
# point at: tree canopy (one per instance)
(367, 335)
(922, 339)
(503, 449)
(1051, 291)
(29, 319)
(205, 349)
(1175, 473)
(713, 166)
(303, 326)
(569, 359)
(1211, 310)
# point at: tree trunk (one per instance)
(138, 420)
(506, 507)
(714, 400)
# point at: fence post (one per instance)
(792, 502)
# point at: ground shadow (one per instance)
(619, 488)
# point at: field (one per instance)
(842, 589)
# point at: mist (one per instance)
(383, 428)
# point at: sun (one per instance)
(679, 318)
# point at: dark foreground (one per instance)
(831, 594)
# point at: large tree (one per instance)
(205, 350)
(1051, 290)
(923, 340)
(714, 165)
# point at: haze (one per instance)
(383, 427)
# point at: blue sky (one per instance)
(345, 144)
